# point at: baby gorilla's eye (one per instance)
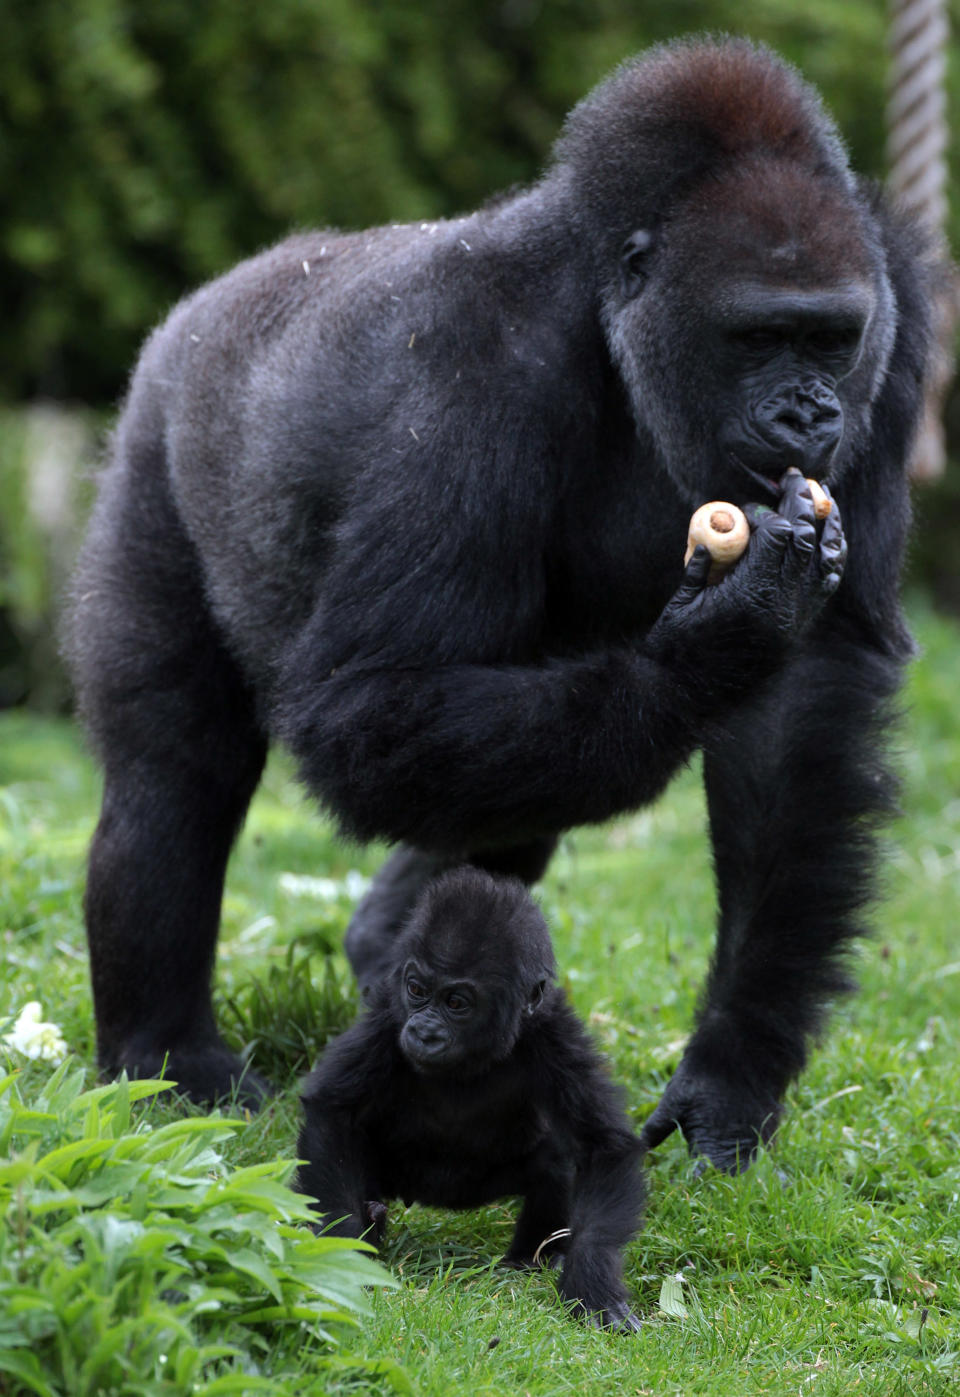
(457, 1003)
(415, 990)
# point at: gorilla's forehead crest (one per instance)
(744, 96)
(771, 210)
(684, 108)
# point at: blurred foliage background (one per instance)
(146, 145)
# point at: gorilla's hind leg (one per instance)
(153, 895)
(175, 726)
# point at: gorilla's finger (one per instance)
(771, 532)
(833, 542)
(695, 575)
(661, 1123)
(832, 558)
(796, 501)
(796, 506)
(804, 539)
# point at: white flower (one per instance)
(34, 1038)
(353, 887)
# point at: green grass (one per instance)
(832, 1267)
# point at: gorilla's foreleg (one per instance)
(797, 784)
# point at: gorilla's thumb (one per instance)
(658, 1126)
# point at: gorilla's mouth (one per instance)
(766, 482)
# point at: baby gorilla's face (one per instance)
(454, 1023)
(472, 966)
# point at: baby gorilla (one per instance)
(470, 1077)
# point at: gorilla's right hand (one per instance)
(723, 1120)
(722, 636)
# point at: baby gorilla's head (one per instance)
(473, 965)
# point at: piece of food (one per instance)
(723, 530)
(822, 504)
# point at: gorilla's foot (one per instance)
(208, 1073)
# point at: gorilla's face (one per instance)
(752, 328)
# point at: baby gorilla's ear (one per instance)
(536, 997)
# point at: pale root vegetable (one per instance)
(723, 530)
(822, 505)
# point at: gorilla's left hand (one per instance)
(824, 543)
(722, 1120)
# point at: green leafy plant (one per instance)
(134, 1260)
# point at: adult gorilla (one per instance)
(414, 501)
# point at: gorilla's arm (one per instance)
(608, 1187)
(466, 754)
(336, 1170)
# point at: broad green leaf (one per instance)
(59, 1162)
(671, 1299)
(249, 1263)
(25, 1367)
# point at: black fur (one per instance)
(470, 1077)
(414, 501)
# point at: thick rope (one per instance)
(916, 150)
(916, 110)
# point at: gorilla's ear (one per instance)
(633, 261)
(536, 997)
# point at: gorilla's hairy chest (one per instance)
(457, 1145)
(616, 555)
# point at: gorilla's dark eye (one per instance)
(764, 338)
(457, 1003)
(839, 341)
(415, 990)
